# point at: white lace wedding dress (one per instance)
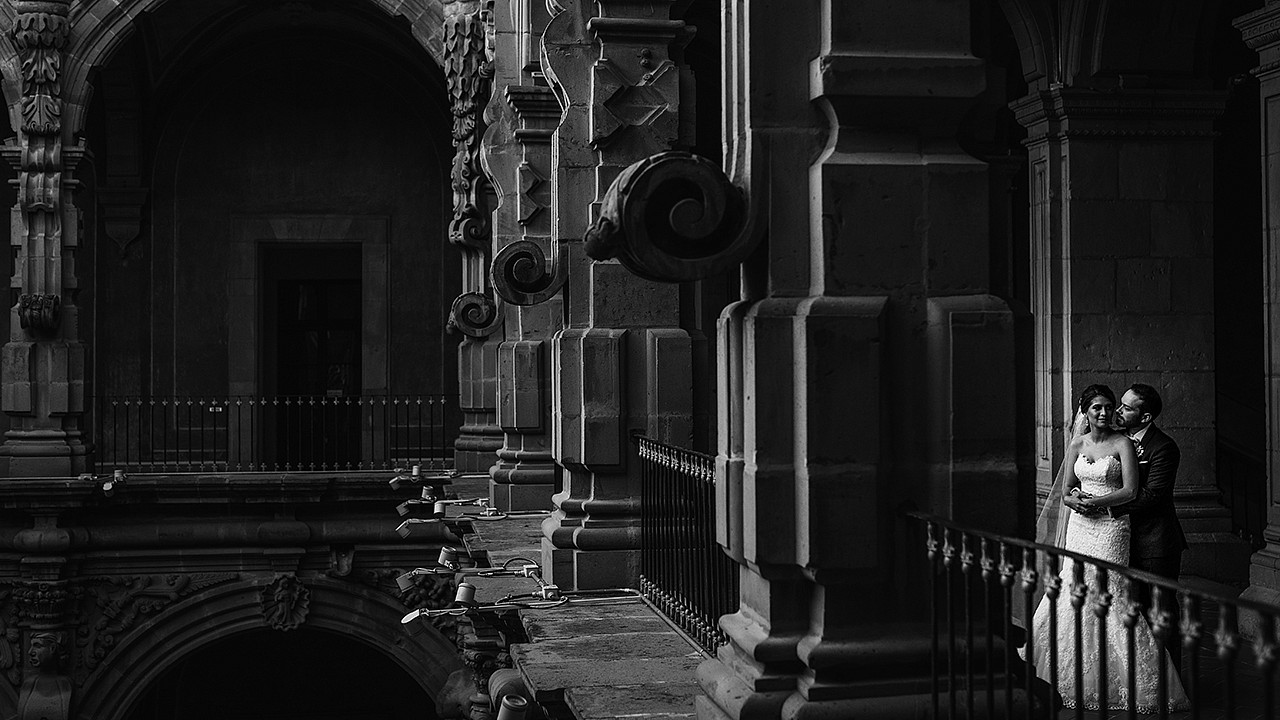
(1105, 538)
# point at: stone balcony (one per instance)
(586, 661)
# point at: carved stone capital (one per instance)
(1153, 114)
(38, 313)
(672, 217)
(42, 604)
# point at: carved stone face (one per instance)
(43, 653)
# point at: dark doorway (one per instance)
(303, 674)
(311, 347)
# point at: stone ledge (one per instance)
(588, 661)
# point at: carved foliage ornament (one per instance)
(285, 603)
(469, 75)
(672, 217)
(10, 637)
(40, 32)
(38, 312)
(428, 591)
(111, 606)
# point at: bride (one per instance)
(1102, 465)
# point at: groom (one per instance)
(1156, 538)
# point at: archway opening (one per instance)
(264, 673)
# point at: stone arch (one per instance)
(98, 27)
(1099, 39)
(356, 611)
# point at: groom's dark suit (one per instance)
(1156, 540)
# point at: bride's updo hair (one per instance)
(1092, 392)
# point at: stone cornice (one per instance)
(1072, 112)
(1260, 28)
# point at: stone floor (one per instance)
(586, 661)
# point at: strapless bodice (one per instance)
(1098, 477)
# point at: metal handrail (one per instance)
(243, 433)
(1014, 567)
(683, 570)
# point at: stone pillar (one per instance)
(43, 362)
(622, 350)
(1121, 232)
(1260, 33)
(862, 369)
(522, 117)
(468, 73)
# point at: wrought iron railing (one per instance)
(984, 592)
(683, 571)
(1242, 478)
(280, 433)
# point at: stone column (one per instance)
(522, 117)
(1121, 232)
(866, 367)
(622, 351)
(1261, 31)
(43, 362)
(469, 72)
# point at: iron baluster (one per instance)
(1264, 650)
(1132, 614)
(1101, 608)
(1228, 646)
(1192, 631)
(935, 568)
(1078, 593)
(966, 576)
(988, 565)
(1160, 627)
(1029, 578)
(1052, 590)
(1006, 584)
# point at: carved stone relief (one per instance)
(285, 602)
(111, 606)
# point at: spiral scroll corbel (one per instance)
(522, 276)
(674, 217)
(475, 314)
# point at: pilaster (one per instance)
(1122, 283)
(1261, 31)
(43, 361)
(469, 73)
(619, 91)
(525, 475)
(869, 304)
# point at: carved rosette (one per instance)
(40, 32)
(285, 603)
(111, 606)
(673, 217)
